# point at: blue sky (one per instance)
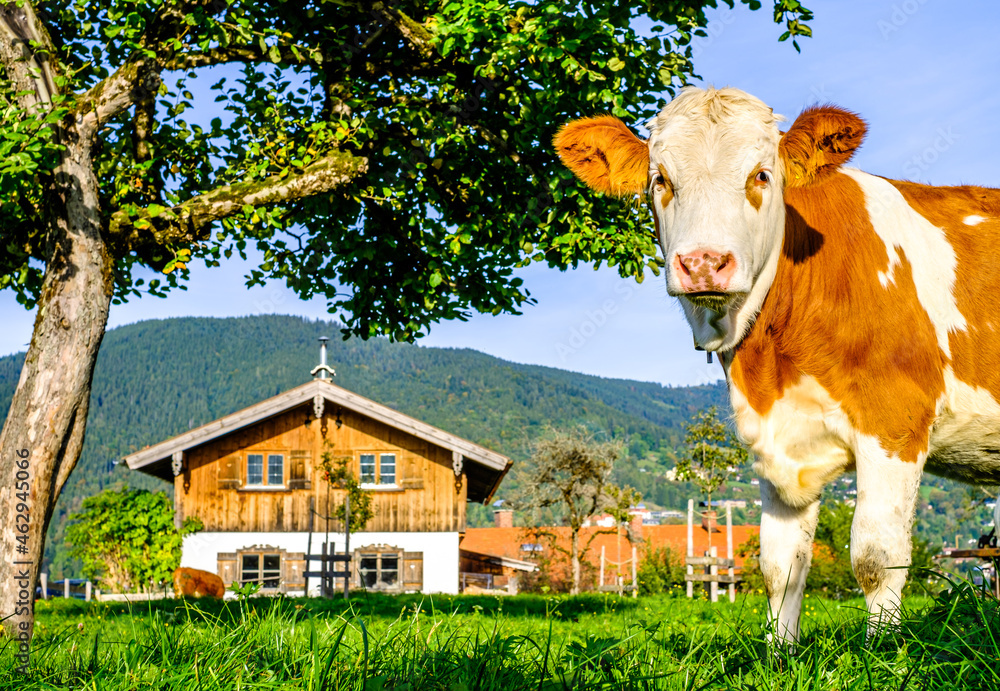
(925, 74)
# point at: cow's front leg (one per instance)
(786, 538)
(881, 533)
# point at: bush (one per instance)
(659, 570)
(126, 538)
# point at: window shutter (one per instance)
(226, 567)
(298, 470)
(229, 471)
(293, 567)
(409, 476)
(413, 571)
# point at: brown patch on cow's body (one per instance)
(975, 351)
(872, 348)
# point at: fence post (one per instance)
(713, 585)
(729, 552)
(65, 587)
(635, 580)
(87, 591)
(602, 569)
(45, 585)
(690, 569)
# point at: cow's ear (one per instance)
(820, 140)
(605, 154)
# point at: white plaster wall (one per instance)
(440, 551)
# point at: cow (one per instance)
(856, 317)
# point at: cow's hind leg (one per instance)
(786, 538)
(881, 534)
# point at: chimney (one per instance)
(635, 526)
(503, 518)
(322, 368)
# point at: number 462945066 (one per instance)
(22, 489)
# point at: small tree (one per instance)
(126, 538)
(570, 471)
(711, 451)
(660, 569)
(337, 472)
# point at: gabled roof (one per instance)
(483, 480)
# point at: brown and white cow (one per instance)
(856, 317)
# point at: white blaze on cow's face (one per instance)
(715, 188)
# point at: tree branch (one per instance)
(134, 81)
(188, 221)
(412, 31)
(26, 52)
(222, 55)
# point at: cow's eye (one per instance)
(659, 180)
(761, 177)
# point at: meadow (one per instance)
(462, 643)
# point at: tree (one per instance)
(570, 471)
(393, 157)
(711, 450)
(126, 538)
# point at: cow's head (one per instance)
(714, 170)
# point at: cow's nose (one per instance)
(704, 271)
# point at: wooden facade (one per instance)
(259, 470)
(426, 497)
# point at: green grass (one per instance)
(525, 642)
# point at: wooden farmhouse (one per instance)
(255, 479)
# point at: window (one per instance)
(255, 469)
(378, 469)
(260, 568)
(367, 469)
(387, 469)
(270, 466)
(275, 469)
(379, 570)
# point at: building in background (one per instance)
(255, 480)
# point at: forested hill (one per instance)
(156, 379)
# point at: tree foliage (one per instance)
(711, 450)
(337, 472)
(391, 156)
(126, 538)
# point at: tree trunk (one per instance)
(48, 413)
(575, 561)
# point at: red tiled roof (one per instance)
(507, 542)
